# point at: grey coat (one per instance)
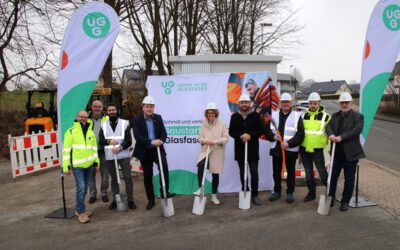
(353, 125)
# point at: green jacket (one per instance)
(314, 128)
(83, 150)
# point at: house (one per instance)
(286, 83)
(355, 88)
(330, 88)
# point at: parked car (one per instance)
(301, 105)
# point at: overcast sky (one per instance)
(333, 39)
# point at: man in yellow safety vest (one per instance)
(315, 140)
(80, 154)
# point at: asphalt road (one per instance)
(382, 145)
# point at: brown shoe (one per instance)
(83, 218)
(88, 213)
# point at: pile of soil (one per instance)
(12, 122)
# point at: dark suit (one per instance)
(253, 126)
(147, 153)
(348, 126)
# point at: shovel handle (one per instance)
(203, 180)
(162, 174)
(330, 168)
(246, 165)
(116, 168)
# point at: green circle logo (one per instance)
(391, 17)
(96, 25)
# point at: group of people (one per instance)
(97, 140)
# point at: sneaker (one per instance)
(214, 199)
(113, 205)
(83, 218)
(104, 198)
(92, 200)
(274, 196)
(131, 205)
(256, 200)
(150, 205)
(88, 213)
(197, 192)
(344, 207)
(310, 196)
(289, 198)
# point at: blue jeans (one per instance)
(340, 162)
(81, 178)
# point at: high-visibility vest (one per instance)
(83, 150)
(315, 136)
(119, 135)
(290, 127)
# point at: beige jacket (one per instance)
(219, 134)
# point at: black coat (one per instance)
(140, 132)
(353, 124)
(254, 127)
(293, 142)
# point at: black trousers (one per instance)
(277, 173)
(253, 165)
(147, 164)
(215, 177)
(309, 159)
(340, 162)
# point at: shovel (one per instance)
(200, 201)
(244, 196)
(166, 203)
(325, 200)
(121, 206)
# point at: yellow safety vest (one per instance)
(314, 129)
(82, 150)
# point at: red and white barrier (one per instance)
(33, 152)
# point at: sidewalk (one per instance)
(273, 225)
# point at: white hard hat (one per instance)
(244, 98)
(211, 105)
(148, 100)
(286, 97)
(345, 97)
(314, 97)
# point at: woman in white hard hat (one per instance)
(213, 133)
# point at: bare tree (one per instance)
(21, 49)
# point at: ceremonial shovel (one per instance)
(200, 201)
(244, 197)
(166, 203)
(325, 200)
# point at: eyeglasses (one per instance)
(210, 113)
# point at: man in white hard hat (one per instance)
(345, 128)
(315, 140)
(246, 127)
(149, 131)
(291, 133)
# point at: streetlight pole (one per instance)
(262, 36)
(290, 72)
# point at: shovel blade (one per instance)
(324, 204)
(244, 200)
(167, 207)
(198, 205)
(121, 205)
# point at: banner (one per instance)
(181, 100)
(382, 47)
(87, 43)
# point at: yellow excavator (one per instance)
(41, 119)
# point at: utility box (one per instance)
(206, 64)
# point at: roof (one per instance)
(132, 73)
(326, 87)
(355, 88)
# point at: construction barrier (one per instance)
(33, 152)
